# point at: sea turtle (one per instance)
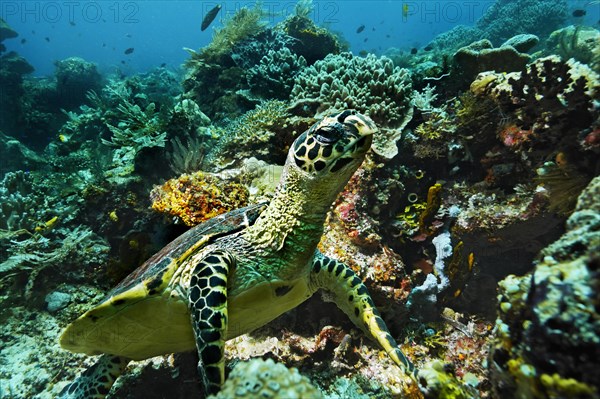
(236, 272)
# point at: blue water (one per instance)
(100, 31)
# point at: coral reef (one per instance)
(481, 56)
(245, 23)
(266, 379)
(274, 75)
(74, 78)
(198, 197)
(578, 42)
(13, 68)
(455, 222)
(262, 132)
(546, 341)
(311, 41)
(139, 129)
(370, 85)
(505, 18)
(552, 100)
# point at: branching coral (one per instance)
(193, 137)
(78, 246)
(273, 76)
(370, 85)
(137, 130)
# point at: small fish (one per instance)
(129, 50)
(360, 29)
(405, 10)
(373, 29)
(209, 17)
(579, 13)
(47, 39)
(33, 32)
(429, 47)
(414, 50)
(366, 39)
(123, 62)
(388, 36)
(23, 41)
(71, 23)
(128, 35)
(103, 44)
(363, 53)
(41, 227)
(164, 64)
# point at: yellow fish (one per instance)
(405, 10)
(46, 226)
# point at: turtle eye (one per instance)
(329, 134)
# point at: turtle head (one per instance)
(323, 158)
(335, 146)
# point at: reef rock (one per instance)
(74, 78)
(6, 32)
(546, 342)
(523, 42)
(481, 56)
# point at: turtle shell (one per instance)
(157, 264)
(140, 318)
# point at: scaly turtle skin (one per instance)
(236, 272)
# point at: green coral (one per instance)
(138, 129)
(578, 42)
(244, 24)
(312, 42)
(258, 133)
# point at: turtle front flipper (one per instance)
(208, 308)
(96, 381)
(352, 297)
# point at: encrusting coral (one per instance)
(266, 379)
(546, 341)
(198, 197)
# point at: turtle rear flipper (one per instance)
(96, 381)
(208, 307)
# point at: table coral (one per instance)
(198, 197)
